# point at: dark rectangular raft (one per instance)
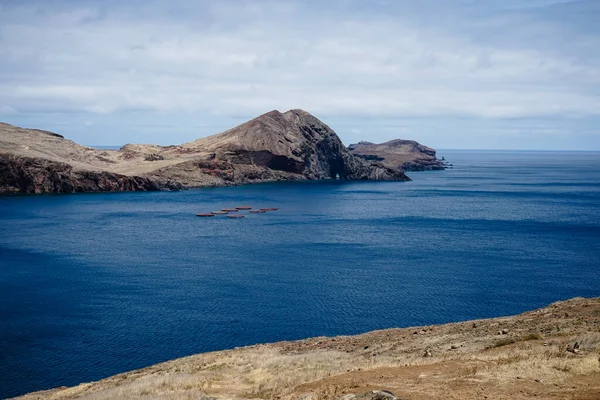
(234, 212)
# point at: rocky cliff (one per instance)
(38, 175)
(399, 154)
(294, 144)
(273, 147)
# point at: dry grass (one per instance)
(536, 361)
(510, 340)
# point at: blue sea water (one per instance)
(96, 284)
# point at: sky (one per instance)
(451, 74)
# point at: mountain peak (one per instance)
(274, 146)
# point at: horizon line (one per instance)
(116, 147)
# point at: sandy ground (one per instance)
(552, 353)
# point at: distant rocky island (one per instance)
(275, 146)
(405, 155)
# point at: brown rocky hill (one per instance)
(272, 147)
(551, 353)
(399, 154)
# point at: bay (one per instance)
(96, 284)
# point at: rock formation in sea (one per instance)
(272, 147)
(399, 154)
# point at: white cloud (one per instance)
(7, 110)
(343, 58)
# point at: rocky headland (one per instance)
(399, 154)
(551, 353)
(272, 147)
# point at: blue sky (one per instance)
(483, 74)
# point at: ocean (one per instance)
(96, 284)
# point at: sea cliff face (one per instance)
(38, 175)
(275, 146)
(272, 147)
(399, 154)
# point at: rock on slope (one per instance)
(275, 146)
(399, 154)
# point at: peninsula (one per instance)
(275, 146)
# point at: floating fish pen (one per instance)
(234, 212)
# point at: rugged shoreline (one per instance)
(550, 353)
(275, 146)
(406, 155)
(30, 175)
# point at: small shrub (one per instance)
(562, 368)
(153, 157)
(531, 336)
(503, 342)
(589, 341)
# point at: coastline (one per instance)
(274, 146)
(552, 352)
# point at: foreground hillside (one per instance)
(272, 147)
(552, 353)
